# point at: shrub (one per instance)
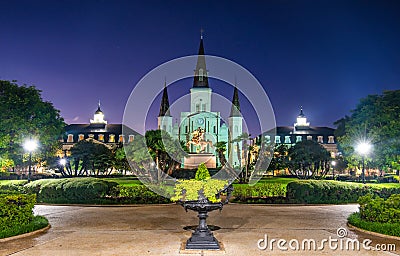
(377, 209)
(72, 190)
(16, 210)
(202, 172)
(261, 190)
(37, 222)
(391, 229)
(139, 194)
(327, 192)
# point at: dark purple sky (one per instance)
(323, 55)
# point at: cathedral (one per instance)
(201, 128)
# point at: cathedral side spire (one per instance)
(200, 74)
(164, 107)
(235, 110)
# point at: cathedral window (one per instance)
(197, 107)
(186, 129)
(214, 130)
(203, 107)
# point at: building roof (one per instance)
(104, 129)
(312, 130)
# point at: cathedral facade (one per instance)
(200, 127)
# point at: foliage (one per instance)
(202, 172)
(23, 114)
(38, 222)
(261, 190)
(377, 209)
(16, 210)
(332, 192)
(391, 229)
(280, 159)
(220, 147)
(89, 155)
(72, 190)
(376, 119)
(193, 190)
(139, 194)
(307, 158)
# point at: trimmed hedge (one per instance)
(260, 193)
(72, 190)
(38, 222)
(391, 229)
(332, 192)
(139, 194)
(16, 210)
(376, 209)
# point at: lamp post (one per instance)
(30, 146)
(333, 163)
(363, 149)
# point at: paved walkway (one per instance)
(159, 230)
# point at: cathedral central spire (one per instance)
(200, 74)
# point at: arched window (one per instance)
(70, 138)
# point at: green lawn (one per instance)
(125, 181)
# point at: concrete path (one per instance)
(159, 230)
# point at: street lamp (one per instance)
(30, 146)
(333, 163)
(363, 148)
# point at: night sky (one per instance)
(323, 55)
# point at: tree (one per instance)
(24, 115)
(157, 146)
(202, 172)
(279, 161)
(375, 119)
(306, 158)
(89, 157)
(220, 147)
(121, 163)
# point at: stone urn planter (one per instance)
(202, 238)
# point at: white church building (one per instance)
(201, 128)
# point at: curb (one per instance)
(373, 233)
(39, 231)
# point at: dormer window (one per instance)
(287, 140)
(298, 139)
(131, 137)
(309, 137)
(121, 138)
(278, 139)
(111, 139)
(321, 139)
(331, 139)
(101, 137)
(70, 138)
(91, 136)
(81, 137)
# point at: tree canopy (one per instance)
(23, 115)
(376, 119)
